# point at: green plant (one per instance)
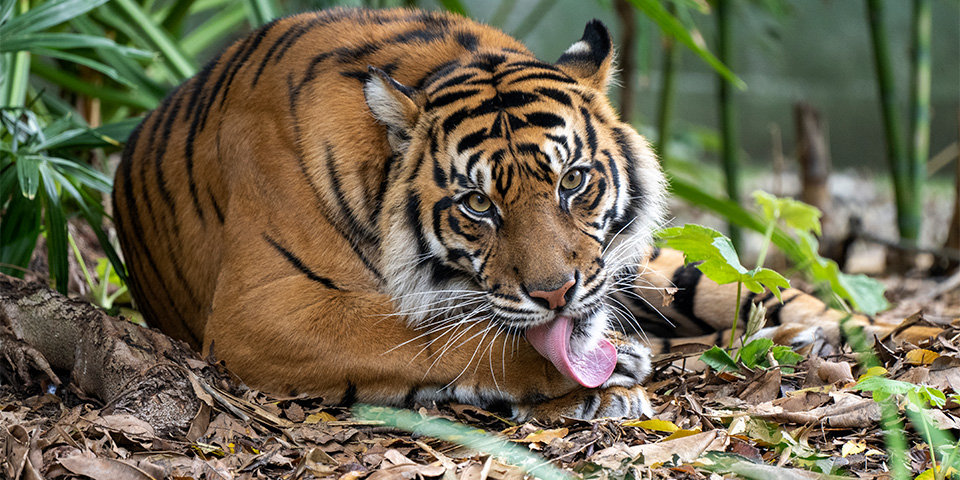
(41, 185)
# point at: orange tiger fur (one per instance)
(376, 206)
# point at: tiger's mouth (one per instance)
(589, 361)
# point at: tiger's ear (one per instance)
(392, 104)
(590, 60)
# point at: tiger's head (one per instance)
(518, 197)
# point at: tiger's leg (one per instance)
(702, 309)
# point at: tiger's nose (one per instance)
(554, 298)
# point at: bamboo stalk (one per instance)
(920, 100)
(908, 212)
(728, 113)
(671, 58)
(628, 47)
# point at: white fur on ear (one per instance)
(389, 101)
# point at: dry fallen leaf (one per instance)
(921, 356)
(103, 468)
(544, 436)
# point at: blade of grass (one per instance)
(55, 225)
(259, 12)
(226, 22)
(672, 26)
(181, 64)
(173, 20)
(463, 435)
(136, 99)
(130, 69)
(45, 15)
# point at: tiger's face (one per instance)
(524, 199)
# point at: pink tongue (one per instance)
(589, 368)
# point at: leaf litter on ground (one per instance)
(811, 423)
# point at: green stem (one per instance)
(767, 237)
(920, 102)
(533, 18)
(894, 439)
(226, 21)
(728, 113)
(671, 58)
(502, 13)
(908, 211)
(736, 314)
(83, 265)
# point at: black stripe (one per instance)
(356, 228)
(349, 396)
(448, 98)
(318, 199)
(216, 206)
(299, 265)
(654, 254)
(686, 279)
(557, 95)
(545, 120)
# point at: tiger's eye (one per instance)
(571, 180)
(479, 203)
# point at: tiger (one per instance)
(399, 207)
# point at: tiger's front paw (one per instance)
(590, 403)
(633, 361)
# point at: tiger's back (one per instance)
(270, 94)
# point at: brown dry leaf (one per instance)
(921, 356)
(762, 388)
(847, 411)
(21, 463)
(126, 423)
(319, 417)
(103, 468)
(688, 448)
(668, 294)
(396, 458)
(945, 373)
(319, 463)
(803, 400)
(500, 471)
(294, 413)
(544, 436)
(471, 472)
(823, 372)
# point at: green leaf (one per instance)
(259, 12)
(754, 352)
(768, 278)
(720, 261)
(62, 40)
(796, 214)
(56, 230)
(671, 26)
(785, 355)
(183, 66)
(719, 360)
(21, 222)
(865, 293)
(28, 174)
(46, 15)
(110, 135)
